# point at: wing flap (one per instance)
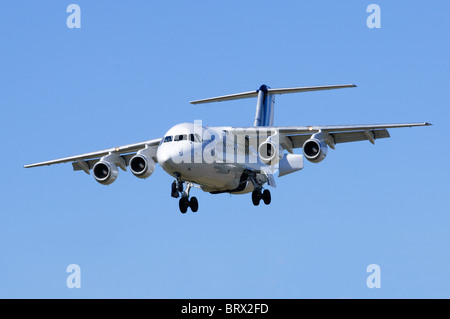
(346, 137)
(341, 137)
(78, 166)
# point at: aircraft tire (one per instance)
(256, 197)
(267, 198)
(193, 203)
(184, 204)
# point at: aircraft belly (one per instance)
(214, 176)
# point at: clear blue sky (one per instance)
(127, 76)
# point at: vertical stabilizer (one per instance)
(264, 107)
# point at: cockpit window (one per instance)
(195, 138)
(181, 137)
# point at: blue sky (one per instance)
(127, 76)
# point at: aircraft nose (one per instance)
(164, 157)
(171, 157)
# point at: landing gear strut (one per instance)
(185, 202)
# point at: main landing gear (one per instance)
(257, 195)
(185, 202)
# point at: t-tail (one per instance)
(265, 105)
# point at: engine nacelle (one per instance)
(269, 152)
(107, 169)
(315, 150)
(142, 165)
(289, 164)
(105, 172)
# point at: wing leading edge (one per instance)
(90, 157)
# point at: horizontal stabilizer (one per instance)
(309, 89)
(246, 95)
(236, 96)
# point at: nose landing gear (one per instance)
(185, 202)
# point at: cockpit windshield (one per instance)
(183, 137)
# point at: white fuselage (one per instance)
(208, 157)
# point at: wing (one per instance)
(335, 134)
(295, 136)
(88, 160)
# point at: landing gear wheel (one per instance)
(256, 197)
(266, 197)
(193, 203)
(184, 204)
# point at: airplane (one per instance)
(235, 160)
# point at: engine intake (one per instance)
(142, 166)
(107, 169)
(105, 172)
(270, 152)
(315, 150)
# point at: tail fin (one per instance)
(266, 99)
(265, 106)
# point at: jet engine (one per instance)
(269, 152)
(106, 170)
(315, 150)
(142, 164)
